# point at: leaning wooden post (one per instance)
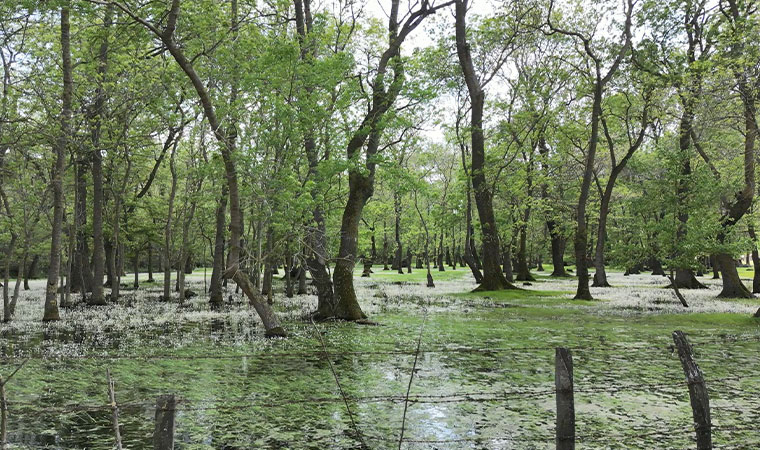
(114, 410)
(3, 416)
(163, 436)
(4, 407)
(700, 400)
(563, 383)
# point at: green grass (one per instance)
(417, 275)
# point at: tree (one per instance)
(598, 77)
(226, 139)
(493, 278)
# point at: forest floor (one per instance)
(483, 379)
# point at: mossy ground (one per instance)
(483, 380)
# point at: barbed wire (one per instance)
(339, 352)
(463, 397)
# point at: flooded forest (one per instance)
(379, 224)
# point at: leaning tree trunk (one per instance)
(51, 300)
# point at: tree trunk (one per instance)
(269, 267)
(755, 260)
(558, 250)
(581, 232)
(30, 271)
(656, 267)
(600, 276)
(288, 279)
(95, 117)
(523, 271)
(215, 290)
(81, 275)
(62, 142)
(136, 269)
(507, 262)
(150, 262)
(6, 277)
(166, 255)
(346, 305)
(385, 249)
(302, 280)
(115, 270)
(493, 278)
(732, 284)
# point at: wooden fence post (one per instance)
(700, 400)
(163, 436)
(114, 410)
(563, 383)
(3, 416)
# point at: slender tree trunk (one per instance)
(6, 277)
(302, 280)
(136, 269)
(523, 271)
(398, 263)
(51, 300)
(385, 248)
(95, 116)
(581, 232)
(31, 271)
(150, 262)
(81, 277)
(600, 277)
(269, 268)
(441, 267)
(507, 262)
(288, 266)
(115, 271)
(185, 254)
(166, 254)
(755, 259)
(216, 299)
(17, 286)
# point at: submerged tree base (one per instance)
(276, 332)
(496, 286)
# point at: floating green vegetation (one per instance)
(484, 376)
